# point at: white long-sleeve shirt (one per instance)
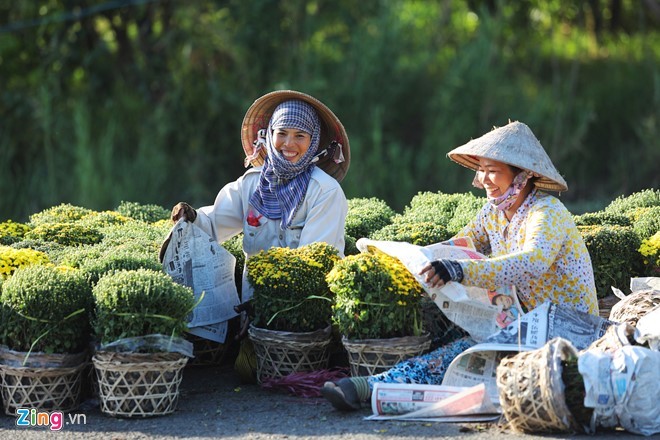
(320, 218)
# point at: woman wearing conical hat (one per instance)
(529, 236)
(291, 197)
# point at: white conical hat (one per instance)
(516, 145)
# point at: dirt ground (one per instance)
(213, 403)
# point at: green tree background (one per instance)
(142, 100)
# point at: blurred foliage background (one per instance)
(104, 101)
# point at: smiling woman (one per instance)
(528, 235)
(292, 197)
(291, 143)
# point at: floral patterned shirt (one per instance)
(540, 251)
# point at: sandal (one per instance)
(343, 398)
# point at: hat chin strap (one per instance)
(258, 145)
(334, 149)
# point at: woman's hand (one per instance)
(439, 272)
(184, 211)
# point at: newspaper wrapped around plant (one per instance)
(194, 259)
(648, 330)
(622, 388)
(471, 308)
(395, 401)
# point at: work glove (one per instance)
(185, 211)
(445, 270)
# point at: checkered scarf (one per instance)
(283, 184)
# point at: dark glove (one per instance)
(183, 210)
(247, 313)
(448, 270)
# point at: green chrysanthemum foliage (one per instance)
(67, 234)
(50, 248)
(452, 211)
(64, 213)
(12, 232)
(149, 213)
(645, 221)
(100, 220)
(375, 297)
(235, 247)
(136, 236)
(290, 290)
(466, 210)
(366, 215)
(12, 259)
(645, 198)
(350, 246)
(421, 233)
(601, 218)
(131, 303)
(48, 310)
(614, 256)
(111, 261)
(432, 207)
(76, 256)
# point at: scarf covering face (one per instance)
(283, 184)
(506, 200)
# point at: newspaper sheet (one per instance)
(478, 364)
(437, 403)
(194, 259)
(478, 311)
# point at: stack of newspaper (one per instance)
(194, 259)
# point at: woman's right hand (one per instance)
(184, 211)
(439, 272)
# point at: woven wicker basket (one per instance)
(531, 390)
(616, 336)
(634, 306)
(207, 352)
(281, 353)
(137, 384)
(51, 382)
(372, 356)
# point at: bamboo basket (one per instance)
(281, 353)
(51, 382)
(531, 389)
(616, 336)
(138, 384)
(634, 306)
(372, 356)
(207, 352)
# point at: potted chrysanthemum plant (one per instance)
(292, 303)
(377, 310)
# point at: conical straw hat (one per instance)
(516, 145)
(258, 116)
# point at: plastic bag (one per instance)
(150, 344)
